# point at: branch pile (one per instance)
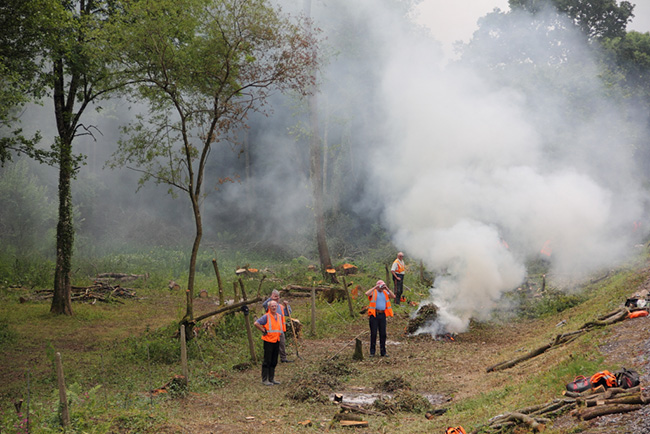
(98, 291)
(565, 338)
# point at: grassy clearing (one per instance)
(114, 354)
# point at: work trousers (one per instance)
(271, 351)
(283, 348)
(378, 324)
(399, 287)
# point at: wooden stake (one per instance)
(63, 400)
(347, 295)
(313, 312)
(216, 271)
(247, 323)
(184, 355)
(243, 290)
(234, 289)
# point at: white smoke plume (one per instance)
(478, 178)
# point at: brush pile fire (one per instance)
(426, 318)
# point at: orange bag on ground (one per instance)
(637, 314)
(603, 378)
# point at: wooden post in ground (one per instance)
(249, 333)
(347, 295)
(313, 312)
(29, 394)
(243, 290)
(184, 368)
(236, 291)
(216, 271)
(63, 399)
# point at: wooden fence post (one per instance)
(313, 311)
(249, 333)
(63, 400)
(243, 290)
(236, 291)
(184, 368)
(216, 271)
(347, 295)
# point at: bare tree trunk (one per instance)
(189, 312)
(316, 174)
(63, 112)
(61, 300)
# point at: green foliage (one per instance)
(159, 346)
(8, 336)
(552, 302)
(27, 216)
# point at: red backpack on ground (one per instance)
(456, 430)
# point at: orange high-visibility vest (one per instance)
(274, 328)
(373, 304)
(455, 430)
(400, 266)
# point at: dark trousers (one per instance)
(378, 324)
(399, 287)
(271, 352)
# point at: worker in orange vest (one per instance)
(271, 325)
(398, 269)
(379, 308)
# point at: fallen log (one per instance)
(603, 410)
(306, 288)
(605, 320)
(122, 276)
(631, 399)
(228, 308)
(536, 424)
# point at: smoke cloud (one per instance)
(481, 174)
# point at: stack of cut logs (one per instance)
(584, 406)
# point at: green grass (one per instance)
(114, 353)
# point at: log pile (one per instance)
(98, 291)
(106, 277)
(328, 293)
(584, 406)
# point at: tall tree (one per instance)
(59, 40)
(20, 64)
(316, 172)
(201, 66)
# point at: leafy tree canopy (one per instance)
(596, 18)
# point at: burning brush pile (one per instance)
(427, 318)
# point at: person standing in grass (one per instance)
(379, 308)
(285, 310)
(272, 326)
(398, 269)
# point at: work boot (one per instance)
(286, 361)
(272, 376)
(265, 377)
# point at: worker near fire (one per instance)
(285, 310)
(379, 308)
(271, 326)
(398, 269)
